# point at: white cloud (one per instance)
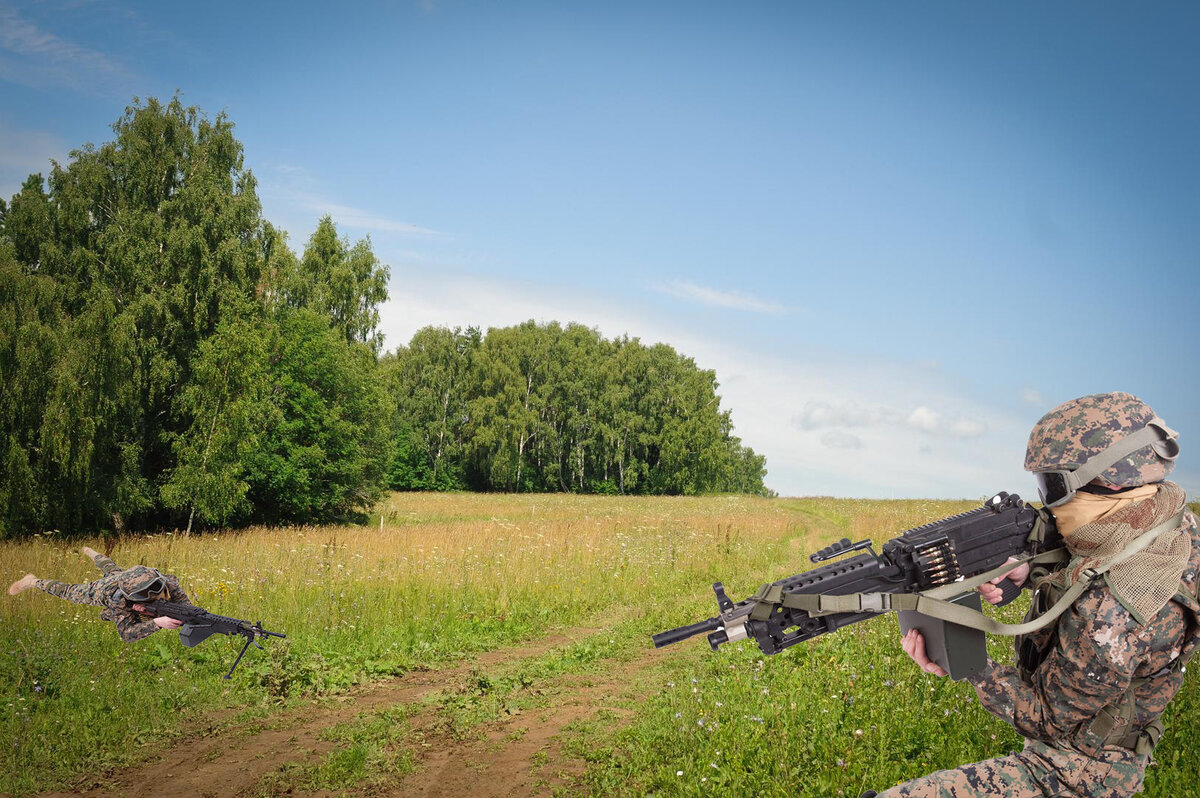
(347, 216)
(1032, 396)
(923, 418)
(734, 300)
(966, 428)
(42, 59)
(816, 414)
(289, 193)
(848, 437)
(838, 439)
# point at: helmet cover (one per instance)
(1074, 432)
(137, 582)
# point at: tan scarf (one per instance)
(1098, 528)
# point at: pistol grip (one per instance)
(1010, 590)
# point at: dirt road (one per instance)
(519, 754)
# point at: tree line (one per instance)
(551, 408)
(167, 360)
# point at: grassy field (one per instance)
(434, 580)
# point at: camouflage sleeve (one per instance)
(176, 593)
(94, 593)
(106, 565)
(1090, 666)
(133, 627)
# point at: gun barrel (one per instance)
(684, 632)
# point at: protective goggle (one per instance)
(152, 590)
(1059, 486)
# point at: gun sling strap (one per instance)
(934, 602)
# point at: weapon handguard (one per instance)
(199, 624)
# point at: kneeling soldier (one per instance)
(1088, 691)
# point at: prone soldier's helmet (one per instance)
(1109, 439)
(140, 583)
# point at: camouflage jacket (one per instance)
(1090, 658)
(131, 625)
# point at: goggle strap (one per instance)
(1154, 432)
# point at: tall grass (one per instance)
(433, 578)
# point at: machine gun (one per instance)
(199, 624)
(940, 562)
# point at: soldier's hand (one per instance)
(162, 621)
(913, 644)
(994, 594)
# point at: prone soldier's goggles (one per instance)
(149, 590)
(1059, 486)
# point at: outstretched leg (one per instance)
(103, 563)
(24, 583)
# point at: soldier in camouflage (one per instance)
(1088, 691)
(120, 592)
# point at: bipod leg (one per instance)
(249, 640)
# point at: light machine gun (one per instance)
(199, 624)
(925, 568)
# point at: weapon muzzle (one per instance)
(684, 632)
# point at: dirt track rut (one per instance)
(519, 755)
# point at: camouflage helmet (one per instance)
(1110, 439)
(140, 583)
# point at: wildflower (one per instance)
(679, 773)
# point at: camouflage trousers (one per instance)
(87, 593)
(1039, 771)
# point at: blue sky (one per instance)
(898, 232)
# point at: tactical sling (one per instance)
(935, 603)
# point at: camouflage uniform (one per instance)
(131, 625)
(1088, 661)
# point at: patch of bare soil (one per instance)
(522, 755)
(518, 756)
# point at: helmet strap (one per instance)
(1155, 434)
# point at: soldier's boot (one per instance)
(868, 794)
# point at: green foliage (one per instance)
(322, 455)
(428, 391)
(166, 360)
(547, 408)
(144, 312)
(346, 283)
(227, 403)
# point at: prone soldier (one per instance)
(121, 592)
